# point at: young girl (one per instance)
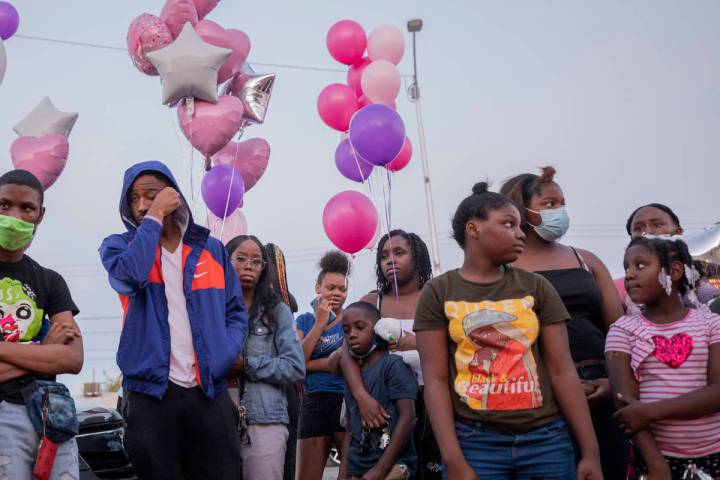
(386, 452)
(587, 291)
(272, 357)
(402, 268)
(664, 365)
(321, 334)
(496, 336)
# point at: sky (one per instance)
(622, 98)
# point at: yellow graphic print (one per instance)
(496, 369)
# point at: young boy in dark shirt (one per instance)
(388, 452)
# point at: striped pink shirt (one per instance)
(633, 334)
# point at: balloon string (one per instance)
(388, 224)
(227, 200)
(357, 161)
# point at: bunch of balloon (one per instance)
(204, 73)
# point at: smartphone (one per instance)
(45, 459)
(314, 304)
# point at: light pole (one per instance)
(415, 25)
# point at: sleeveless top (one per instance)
(583, 299)
(411, 357)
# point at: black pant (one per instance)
(183, 436)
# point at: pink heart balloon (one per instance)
(44, 157)
(250, 158)
(233, 39)
(176, 13)
(212, 125)
(146, 34)
(205, 6)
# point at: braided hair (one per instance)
(668, 251)
(420, 259)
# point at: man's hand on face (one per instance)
(165, 203)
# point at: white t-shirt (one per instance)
(182, 351)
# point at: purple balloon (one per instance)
(223, 190)
(377, 133)
(351, 168)
(9, 20)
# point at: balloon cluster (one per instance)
(9, 23)
(204, 73)
(365, 109)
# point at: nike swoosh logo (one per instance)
(198, 275)
(200, 263)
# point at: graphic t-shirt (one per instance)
(497, 372)
(29, 296)
(330, 340)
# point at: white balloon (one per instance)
(46, 119)
(188, 67)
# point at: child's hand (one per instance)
(322, 312)
(601, 390)
(633, 416)
(373, 414)
(375, 473)
(461, 471)
(589, 469)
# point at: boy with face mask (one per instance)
(38, 335)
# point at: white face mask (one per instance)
(555, 223)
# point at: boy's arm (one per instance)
(373, 415)
(49, 358)
(625, 387)
(398, 440)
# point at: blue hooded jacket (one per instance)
(215, 306)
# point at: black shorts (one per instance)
(320, 415)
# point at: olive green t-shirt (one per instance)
(496, 367)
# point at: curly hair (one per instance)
(420, 259)
(333, 261)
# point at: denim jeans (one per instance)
(19, 443)
(543, 453)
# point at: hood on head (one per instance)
(131, 174)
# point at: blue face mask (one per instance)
(555, 223)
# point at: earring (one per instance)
(665, 281)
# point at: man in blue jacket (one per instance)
(184, 324)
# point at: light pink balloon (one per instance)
(235, 224)
(146, 34)
(336, 105)
(176, 13)
(355, 74)
(386, 42)
(346, 41)
(402, 158)
(45, 157)
(381, 82)
(233, 39)
(204, 7)
(212, 125)
(350, 221)
(250, 158)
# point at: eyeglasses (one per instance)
(255, 263)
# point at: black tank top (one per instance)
(583, 300)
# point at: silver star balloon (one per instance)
(255, 97)
(188, 67)
(3, 61)
(46, 119)
(705, 245)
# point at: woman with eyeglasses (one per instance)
(272, 357)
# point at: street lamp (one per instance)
(415, 25)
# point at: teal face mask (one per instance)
(555, 223)
(15, 234)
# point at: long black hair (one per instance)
(420, 259)
(265, 295)
(669, 251)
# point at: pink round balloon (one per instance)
(250, 158)
(350, 220)
(355, 74)
(381, 82)
(176, 13)
(45, 157)
(401, 159)
(336, 105)
(235, 224)
(204, 7)
(346, 41)
(147, 33)
(232, 39)
(212, 125)
(386, 42)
